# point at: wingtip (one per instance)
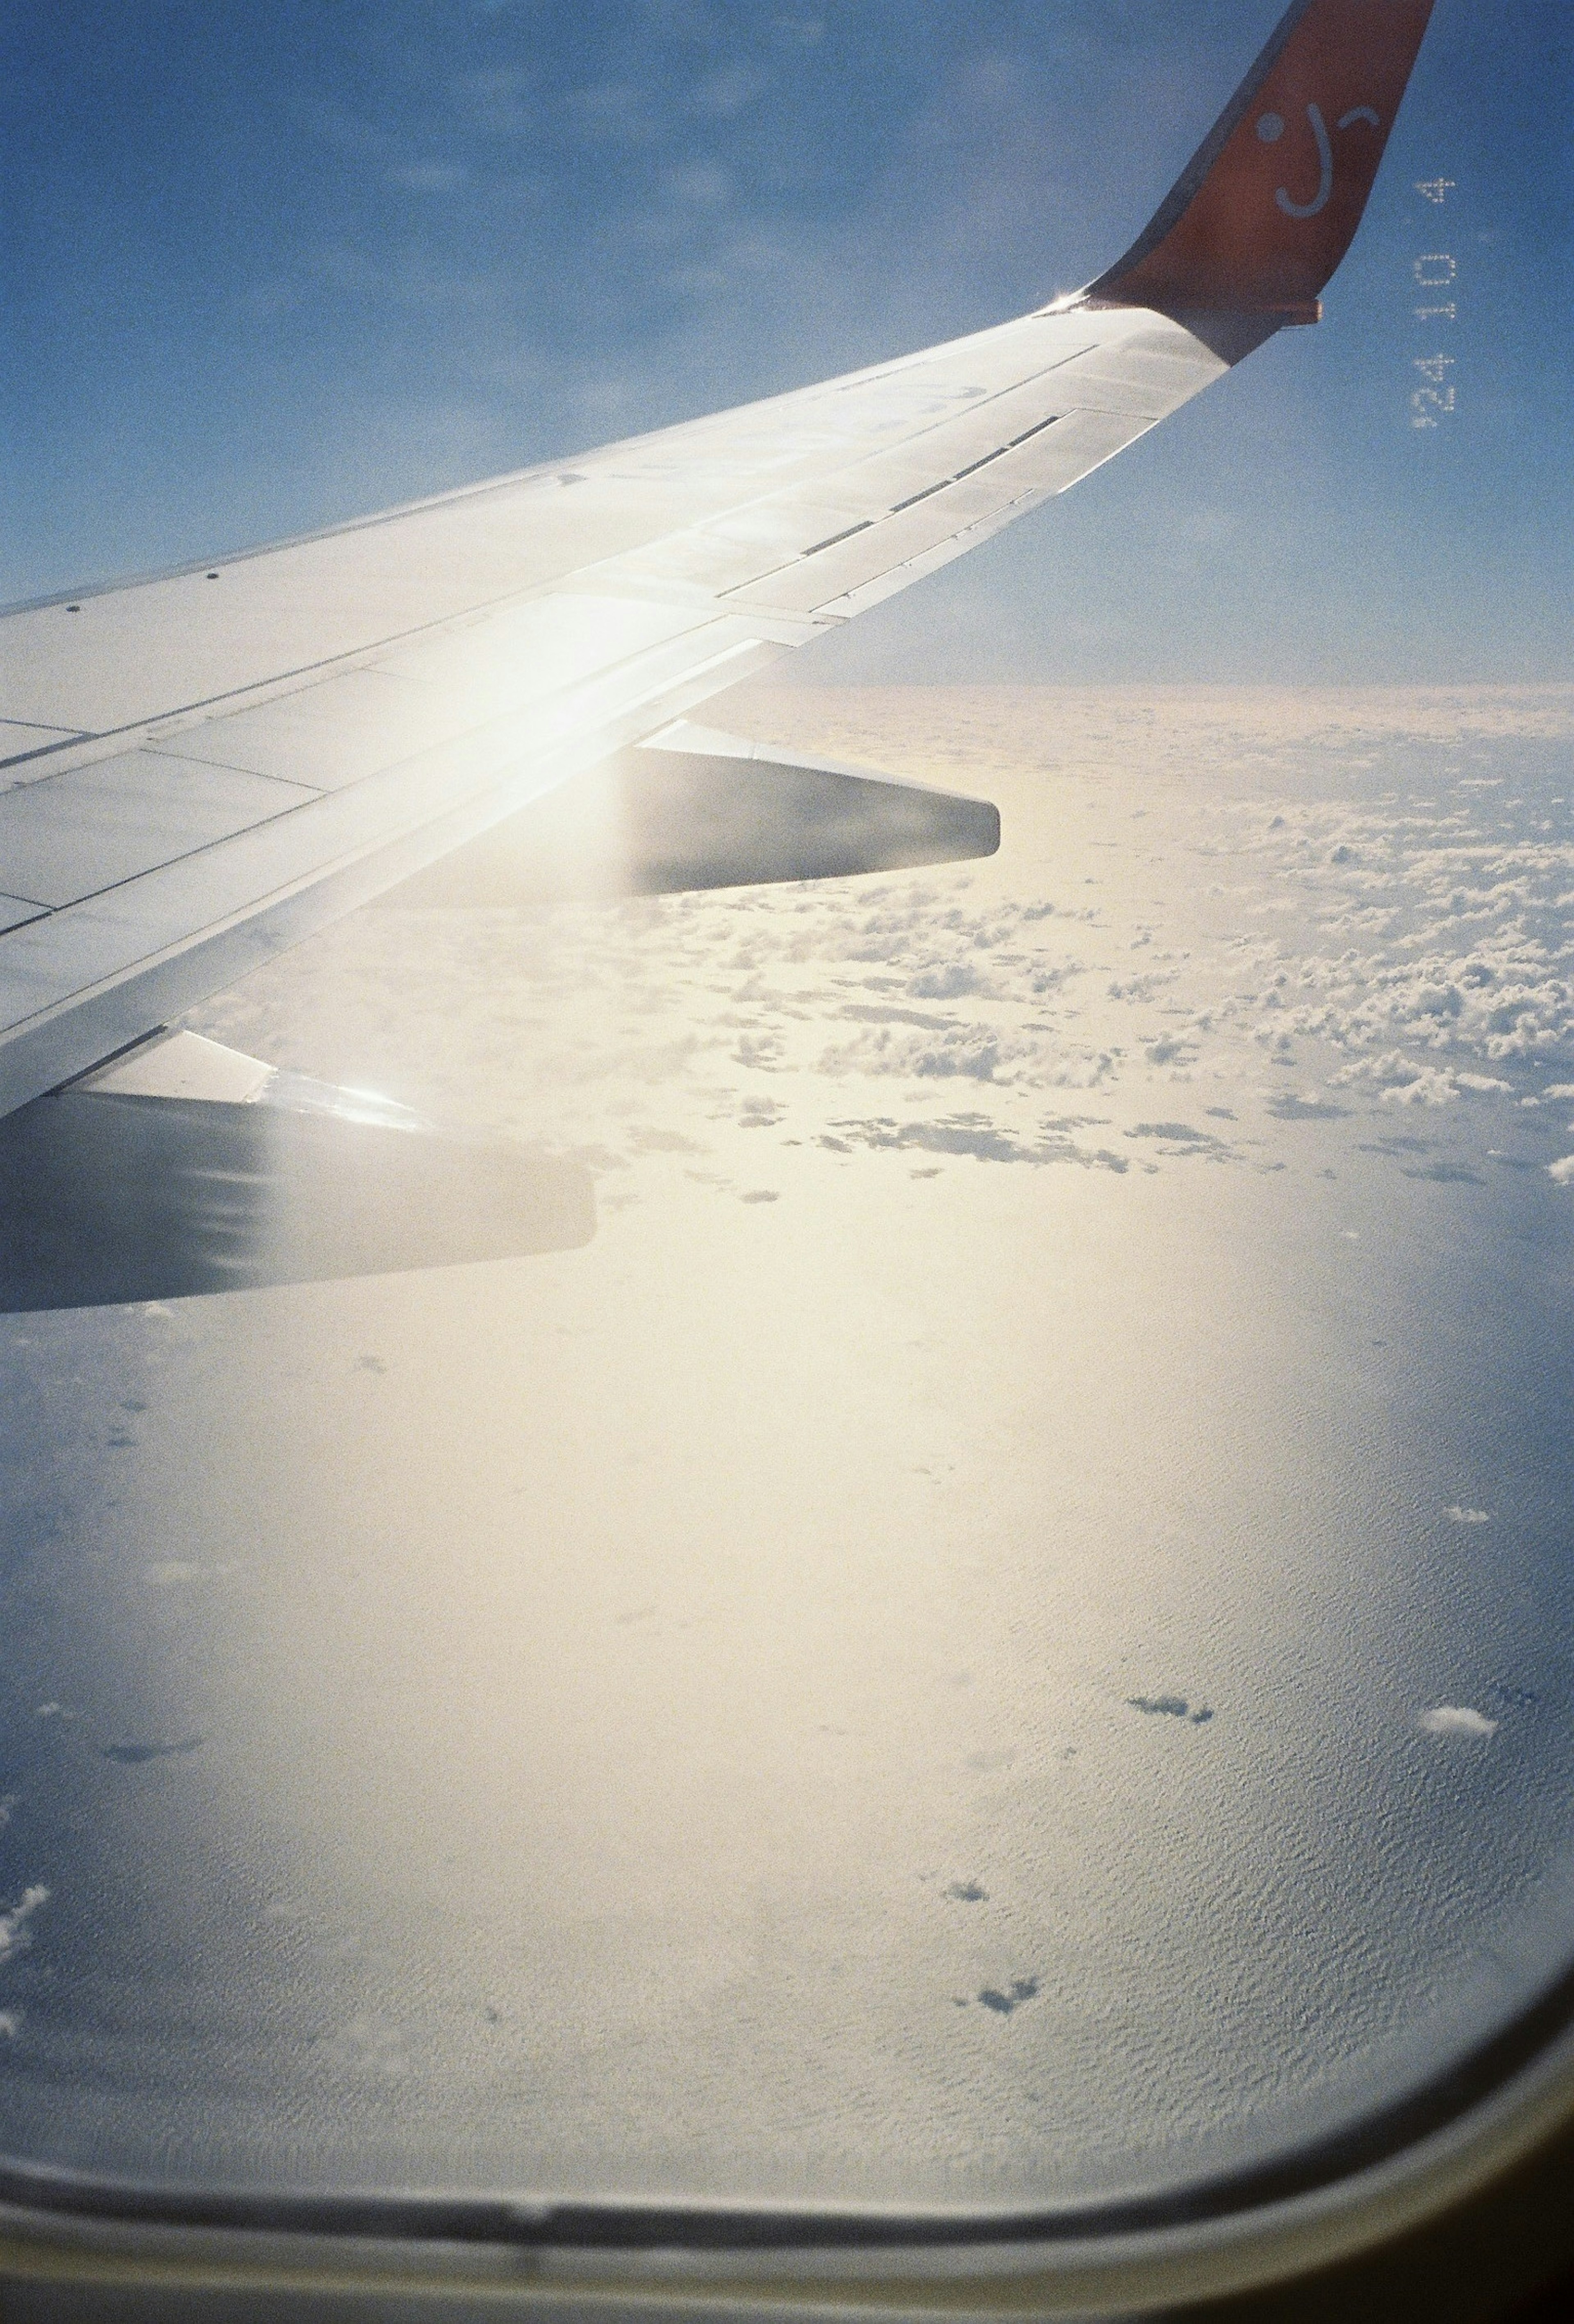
(1266, 210)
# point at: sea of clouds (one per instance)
(1216, 913)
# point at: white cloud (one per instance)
(1432, 952)
(1564, 1171)
(13, 1931)
(1456, 1719)
(947, 981)
(1430, 1085)
(1462, 1516)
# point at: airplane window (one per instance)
(984, 1630)
(804, 1485)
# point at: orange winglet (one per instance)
(1269, 204)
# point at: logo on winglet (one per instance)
(1270, 128)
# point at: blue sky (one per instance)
(268, 267)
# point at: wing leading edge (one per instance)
(198, 769)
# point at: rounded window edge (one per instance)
(1465, 2192)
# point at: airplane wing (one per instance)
(201, 769)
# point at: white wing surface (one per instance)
(200, 769)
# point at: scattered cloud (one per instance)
(1456, 1719)
(970, 1134)
(13, 1929)
(1290, 1105)
(950, 979)
(1419, 1085)
(1421, 975)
